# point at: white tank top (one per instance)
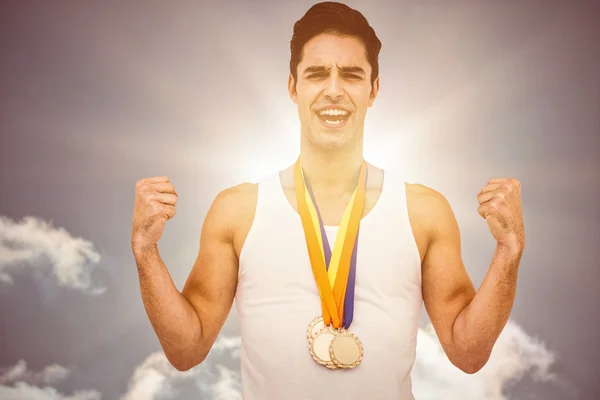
(277, 298)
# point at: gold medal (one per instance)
(346, 350)
(320, 347)
(315, 326)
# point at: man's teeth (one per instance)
(333, 112)
(339, 121)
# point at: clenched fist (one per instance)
(500, 205)
(155, 200)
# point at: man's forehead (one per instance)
(339, 61)
(329, 50)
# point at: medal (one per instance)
(331, 347)
(330, 342)
(314, 328)
(320, 347)
(345, 350)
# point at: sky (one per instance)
(96, 95)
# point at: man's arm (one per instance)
(467, 322)
(188, 322)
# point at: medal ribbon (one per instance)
(334, 273)
(332, 265)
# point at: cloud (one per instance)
(41, 248)
(216, 378)
(50, 374)
(17, 383)
(515, 356)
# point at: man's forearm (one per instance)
(173, 318)
(479, 324)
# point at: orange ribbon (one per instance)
(332, 299)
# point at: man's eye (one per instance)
(352, 76)
(317, 75)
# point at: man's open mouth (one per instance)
(332, 117)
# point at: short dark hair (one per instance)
(338, 18)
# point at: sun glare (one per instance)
(394, 147)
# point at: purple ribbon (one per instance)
(349, 298)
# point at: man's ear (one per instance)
(374, 91)
(292, 88)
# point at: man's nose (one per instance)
(334, 88)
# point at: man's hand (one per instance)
(500, 205)
(155, 200)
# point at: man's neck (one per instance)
(332, 172)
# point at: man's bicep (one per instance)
(211, 285)
(447, 288)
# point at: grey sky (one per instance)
(95, 95)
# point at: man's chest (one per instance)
(331, 210)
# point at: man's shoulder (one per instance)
(233, 208)
(236, 199)
(240, 200)
(426, 195)
(427, 204)
(421, 195)
(240, 190)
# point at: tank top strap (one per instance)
(269, 183)
(272, 209)
(391, 200)
(271, 196)
(393, 183)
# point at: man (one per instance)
(327, 311)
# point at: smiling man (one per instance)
(330, 259)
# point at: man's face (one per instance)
(333, 90)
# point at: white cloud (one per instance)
(216, 378)
(17, 383)
(515, 356)
(50, 374)
(54, 373)
(45, 250)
